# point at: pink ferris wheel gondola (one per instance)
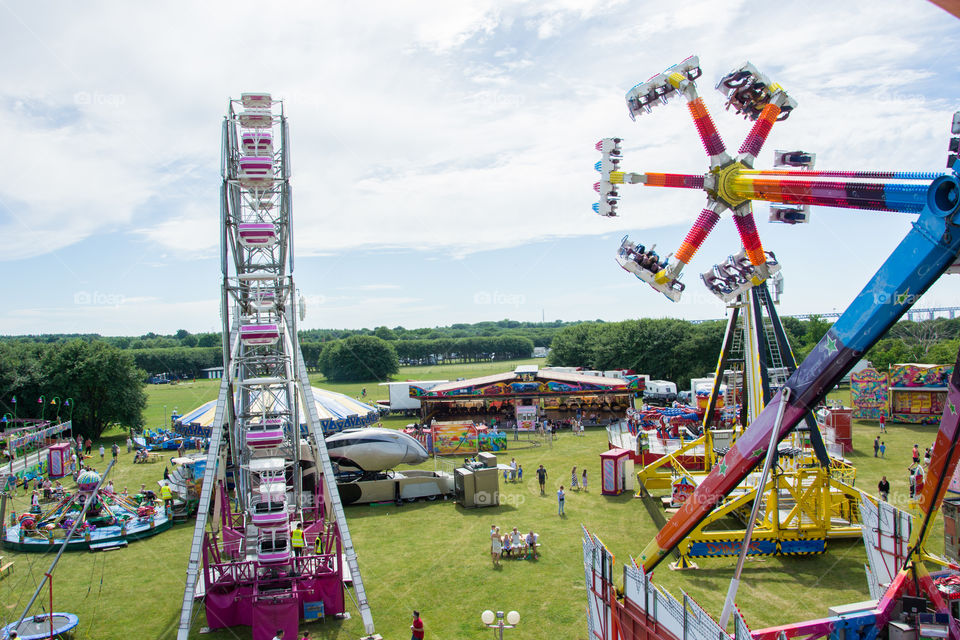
(256, 143)
(257, 234)
(256, 118)
(256, 100)
(259, 334)
(256, 172)
(269, 506)
(263, 299)
(266, 434)
(273, 545)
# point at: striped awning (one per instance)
(337, 412)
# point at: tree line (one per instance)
(363, 357)
(679, 350)
(664, 348)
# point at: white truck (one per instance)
(660, 392)
(400, 400)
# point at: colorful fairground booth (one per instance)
(909, 393)
(918, 392)
(527, 396)
(616, 471)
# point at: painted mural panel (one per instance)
(868, 390)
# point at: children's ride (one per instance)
(927, 251)
(281, 532)
(98, 519)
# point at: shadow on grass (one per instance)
(809, 570)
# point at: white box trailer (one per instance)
(660, 392)
(400, 400)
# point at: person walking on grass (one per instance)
(916, 454)
(115, 450)
(883, 487)
(416, 629)
(573, 479)
(560, 496)
(876, 446)
(542, 478)
(883, 449)
(883, 423)
(584, 483)
(103, 452)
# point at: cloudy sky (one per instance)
(442, 151)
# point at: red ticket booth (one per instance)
(616, 472)
(838, 425)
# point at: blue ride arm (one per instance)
(924, 254)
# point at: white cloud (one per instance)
(449, 128)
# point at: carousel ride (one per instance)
(929, 250)
(88, 519)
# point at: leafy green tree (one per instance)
(209, 340)
(385, 333)
(105, 384)
(358, 359)
(573, 346)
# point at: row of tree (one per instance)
(371, 358)
(678, 350)
(665, 349)
(103, 383)
(540, 333)
(180, 361)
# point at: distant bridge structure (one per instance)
(916, 313)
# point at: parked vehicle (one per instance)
(660, 392)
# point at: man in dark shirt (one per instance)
(884, 488)
(542, 478)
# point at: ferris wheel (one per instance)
(280, 529)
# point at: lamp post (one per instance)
(11, 453)
(42, 401)
(56, 403)
(496, 620)
(69, 403)
(13, 401)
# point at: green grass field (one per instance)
(434, 555)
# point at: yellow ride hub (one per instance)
(726, 191)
